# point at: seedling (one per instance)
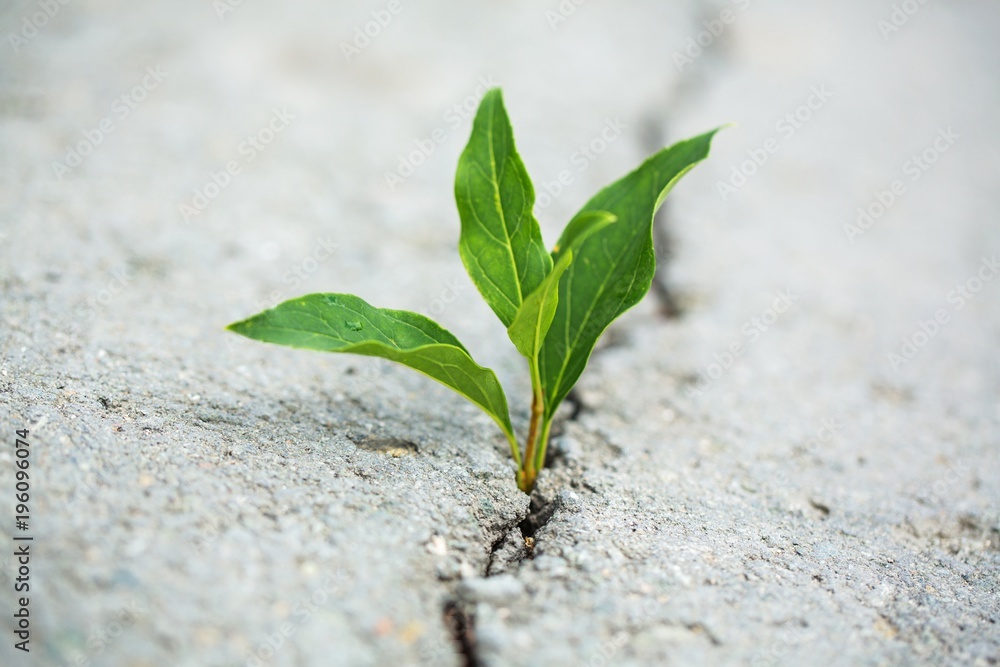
(555, 304)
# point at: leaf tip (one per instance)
(711, 133)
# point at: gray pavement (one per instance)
(800, 469)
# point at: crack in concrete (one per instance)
(653, 136)
(515, 544)
(462, 627)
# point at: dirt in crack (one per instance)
(539, 513)
(515, 544)
(517, 539)
(463, 631)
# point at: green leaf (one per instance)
(580, 228)
(501, 242)
(613, 270)
(534, 317)
(346, 323)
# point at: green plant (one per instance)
(555, 304)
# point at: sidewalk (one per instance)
(799, 469)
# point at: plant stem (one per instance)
(529, 468)
(543, 443)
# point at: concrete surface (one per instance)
(198, 499)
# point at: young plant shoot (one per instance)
(555, 304)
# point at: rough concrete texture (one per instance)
(199, 499)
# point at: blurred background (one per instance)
(167, 168)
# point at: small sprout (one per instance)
(555, 305)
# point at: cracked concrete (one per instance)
(752, 481)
